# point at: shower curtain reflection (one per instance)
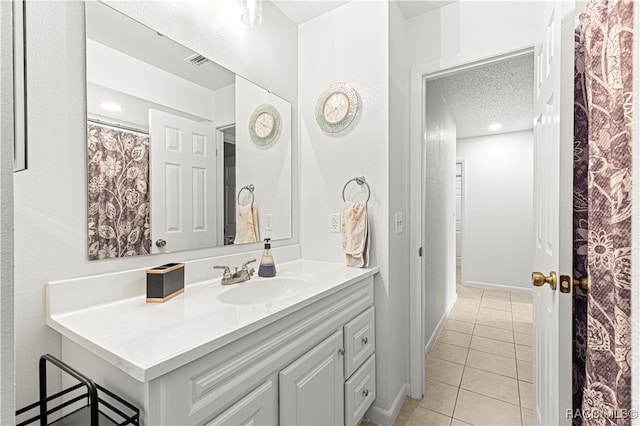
(118, 192)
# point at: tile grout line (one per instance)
(468, 348)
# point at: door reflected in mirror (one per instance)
(172, 139)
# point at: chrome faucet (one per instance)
(244, 274)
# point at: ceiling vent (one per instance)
(198, 60)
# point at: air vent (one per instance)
(198, 60)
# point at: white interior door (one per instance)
(553, 167)
(183, 183)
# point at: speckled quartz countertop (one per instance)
(147, 340)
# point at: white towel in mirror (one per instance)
(247, 225)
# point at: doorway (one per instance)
(440, 209)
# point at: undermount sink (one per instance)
(266, 290)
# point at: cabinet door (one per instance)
(260, 407)
(312, 388)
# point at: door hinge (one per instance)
(420, 252)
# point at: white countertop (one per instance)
(147, 340)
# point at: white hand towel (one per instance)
(247, 225)
(355, 234)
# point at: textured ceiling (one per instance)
(499, 92)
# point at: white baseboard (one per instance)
(384, 416)
(499, 286)
(443, 320)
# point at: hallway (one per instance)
(479, 371)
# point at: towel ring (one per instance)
(360, 180)
(249, 188)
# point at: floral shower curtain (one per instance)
(118, 171)
(602, 213)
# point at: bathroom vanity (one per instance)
(295, 349)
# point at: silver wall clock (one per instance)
(265, 125)
(337, 107)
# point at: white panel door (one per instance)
(552, 203)
(312, 388)
(183, 183)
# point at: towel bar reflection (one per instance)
(249, 188)
(360, 180)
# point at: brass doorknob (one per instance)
(160, 242)
(539, 279)
(583, 283)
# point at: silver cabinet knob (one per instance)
(160, 242)
(365, 340)
(365, 393)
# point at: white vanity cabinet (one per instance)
(312, 387)
(314, 364)
(260, 407)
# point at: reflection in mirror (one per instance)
(172, 141)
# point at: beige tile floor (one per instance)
(479, 370)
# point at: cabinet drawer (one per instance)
(360, 391)
(359, 340)
(260, 407)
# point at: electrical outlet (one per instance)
(334, 223)
(268, 222)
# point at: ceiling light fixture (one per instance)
(495, 126)
(251, 12)
(110, 106)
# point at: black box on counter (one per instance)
(165, 282)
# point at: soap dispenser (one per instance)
(267, 265)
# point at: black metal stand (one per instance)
(92, 413)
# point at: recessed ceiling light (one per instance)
(110, 106)
(495, 126)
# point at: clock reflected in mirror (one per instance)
(264, 125)
(337, 108)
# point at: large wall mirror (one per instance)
(181, 153)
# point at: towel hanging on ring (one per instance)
(355, 234)
(246, 220)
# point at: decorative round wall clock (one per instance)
(336, 108)
(265, 125)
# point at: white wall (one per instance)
(255, 164)
(50, 206)
(351, 44)
(498, 222)
(147, 82)
(399, 253)
(7, 334)
(224, 107)
(470, 30)
(439, 228)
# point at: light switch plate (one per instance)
(399, 222)
(268, 219)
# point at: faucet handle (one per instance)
(226, 272)
(244, 265)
